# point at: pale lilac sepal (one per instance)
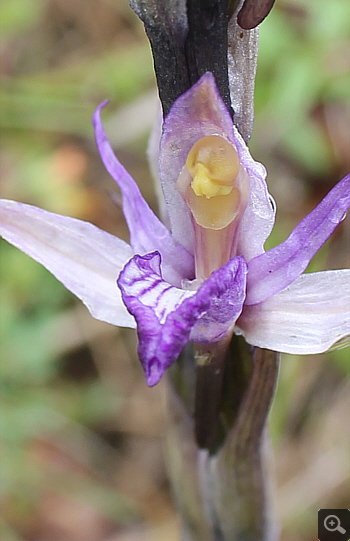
(276, 269)
(309, 316)
(85, 259)
(153, 148)
(147, 232)
(167, 317)
(197, 113)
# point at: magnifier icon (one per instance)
(332, 524)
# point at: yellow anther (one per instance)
(213, 164)
(204, 184)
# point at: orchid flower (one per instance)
(209, 276)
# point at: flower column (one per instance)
(218, 394)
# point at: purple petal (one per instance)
(307, 317)
(198, 113)
(167, 317)
(85, 259)
(147, 232)
(276, 269)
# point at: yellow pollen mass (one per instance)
(213, 164)
(204, 184)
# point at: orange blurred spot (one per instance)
(69, 163)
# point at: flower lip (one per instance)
(167, 317)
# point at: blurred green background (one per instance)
(81, 434)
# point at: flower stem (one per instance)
(223, 490)
(210, 363)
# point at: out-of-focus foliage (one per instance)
(80, 432)
(303, 73)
